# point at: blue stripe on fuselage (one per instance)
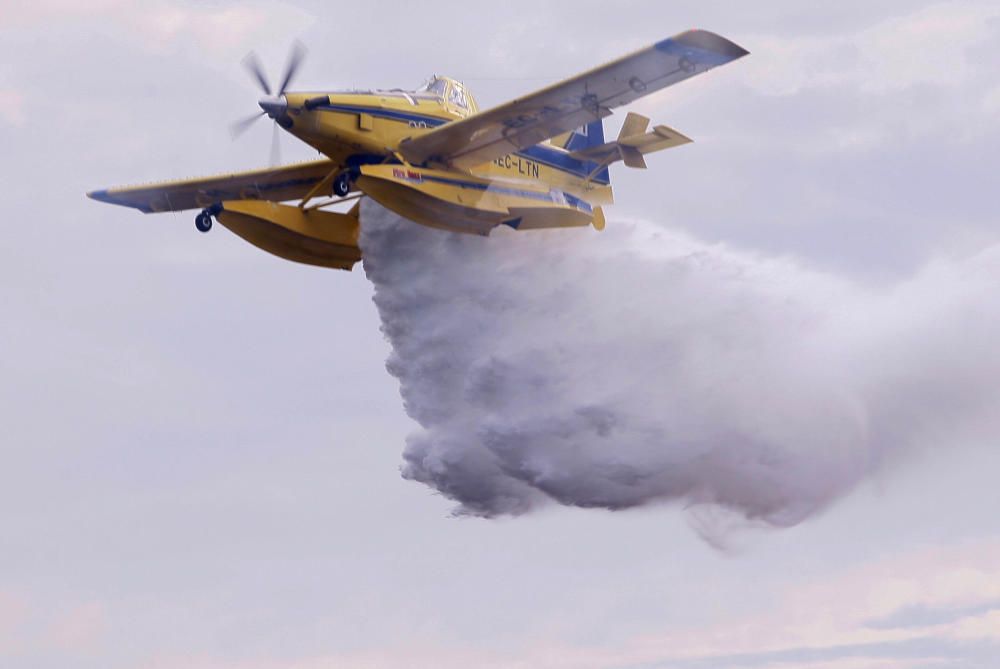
(576, 202)
(394, 114)
(539, 153)
(565, 163)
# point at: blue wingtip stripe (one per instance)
(702, 47)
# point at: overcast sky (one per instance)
(200, 445)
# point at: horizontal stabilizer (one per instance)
(632, 157)
(633, 143)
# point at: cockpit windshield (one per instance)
(457, 96)
(453, 94)
(434, 86)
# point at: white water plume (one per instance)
(638, 366)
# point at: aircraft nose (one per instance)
(273, 105)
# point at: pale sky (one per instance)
(201, 444)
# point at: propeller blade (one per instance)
(253, 66)
(237, 128)
(295, 58)
(275, 147)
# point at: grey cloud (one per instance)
(919, 615)
(919, 653)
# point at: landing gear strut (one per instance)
(342, 184)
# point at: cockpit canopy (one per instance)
(453, 93)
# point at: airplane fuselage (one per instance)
(363, 130)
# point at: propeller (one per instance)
(237, 128)
(273, 105)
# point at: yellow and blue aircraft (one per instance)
(430, 155)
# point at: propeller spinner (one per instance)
(273, 105)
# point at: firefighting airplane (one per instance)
(430, 155)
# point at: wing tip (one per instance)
(704, 40)
(104, 195)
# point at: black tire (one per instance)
(203, 222)
(342, 185)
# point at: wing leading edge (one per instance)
(572, 103)
(290, 182)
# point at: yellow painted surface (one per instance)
(471, 171)
(466, 203)
(322, 238)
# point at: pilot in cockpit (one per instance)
(452, 93)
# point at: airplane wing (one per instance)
(572, 103)
(290, 182)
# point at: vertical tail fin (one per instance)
(586, 137)
(589, 135)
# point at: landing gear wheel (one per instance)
(203, 222)
(342, 185)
